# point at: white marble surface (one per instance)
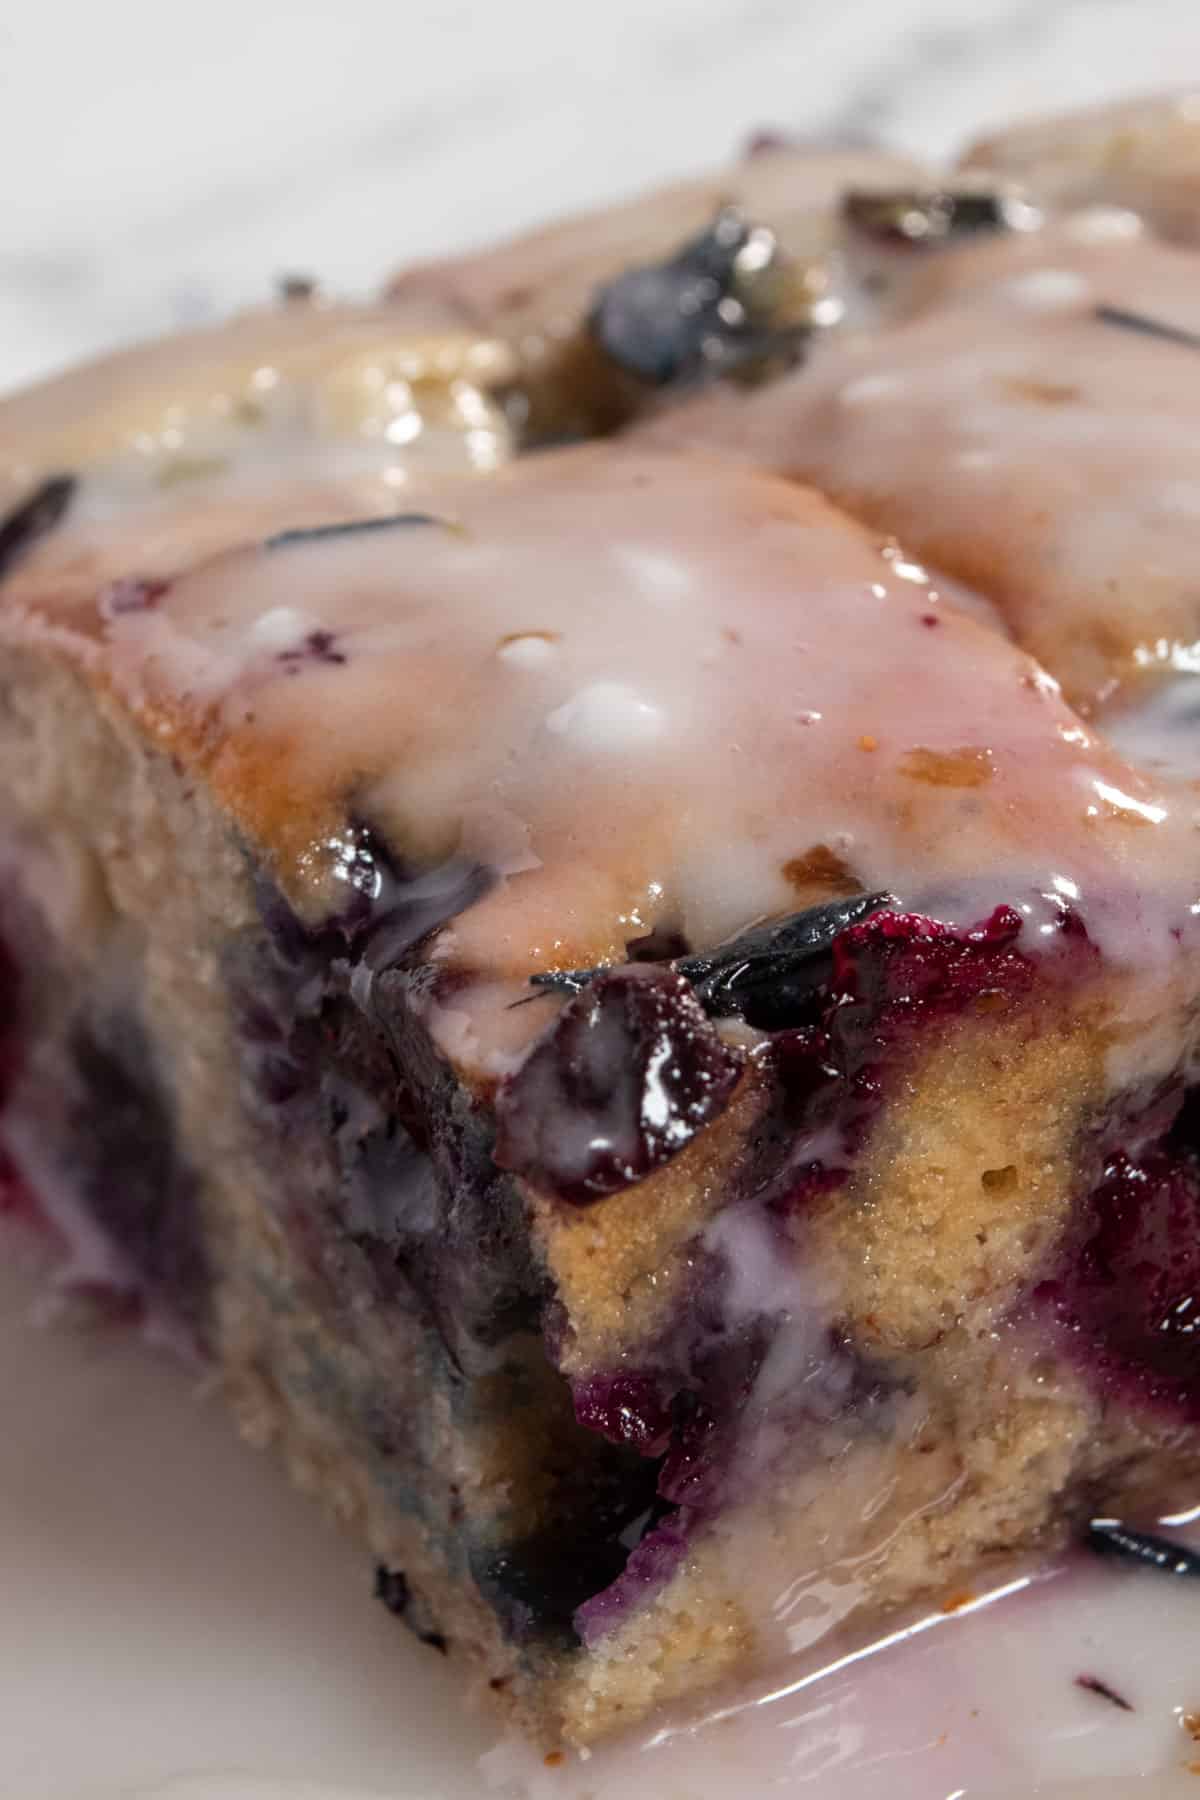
(160, 163)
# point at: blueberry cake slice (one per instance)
(624, 1026)
(646, 1039)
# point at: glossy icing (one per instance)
(287, 416)
(1059, 463)
(667, 682)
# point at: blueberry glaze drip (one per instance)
(628, 1074)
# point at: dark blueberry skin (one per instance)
(895, 972)
(1142, 1549)
(136, 1184)
(118, 1134)
(1091, 1684)
(10, 994)
(537, 1586)
(317, 647)
(935, 216)
(674, 321)
(1127, 1294)
(629, 1409)
(838, 986)
(391, 1587)
(626, 1076)
(693, 1433)
(772, 975)
(311, 534)
(401, 1163)
(34, 518)
(401, 1203)
(1145, 326)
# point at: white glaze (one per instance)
(1054, 447)
(982, 1705)
(175, 441)
(665, 762)
(665, 756)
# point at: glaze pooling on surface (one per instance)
(931, 1709)
(165, 1487)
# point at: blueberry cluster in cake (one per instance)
(601, 905)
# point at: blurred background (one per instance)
(161, 163)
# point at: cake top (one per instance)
(649, 695)
(1142, 153)
(299, 412)
(1052, 382)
